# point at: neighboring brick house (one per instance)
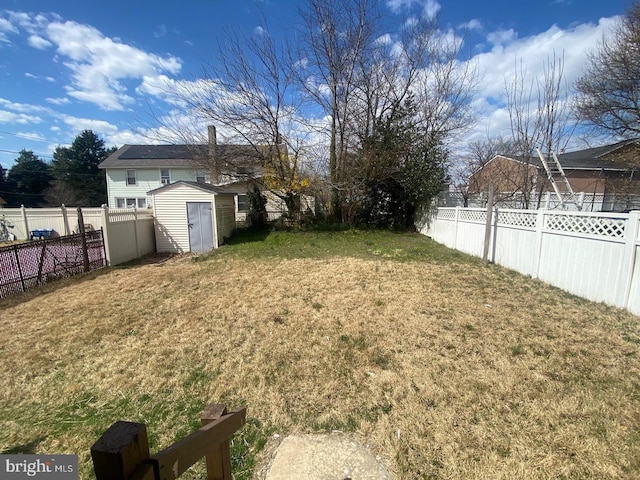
(610, 173)
(135, 170)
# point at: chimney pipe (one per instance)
(211, 131)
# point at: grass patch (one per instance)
(451, 369)
(364, 244)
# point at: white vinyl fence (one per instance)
(128, 232)
(592, 255)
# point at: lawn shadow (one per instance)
(247, 235)
(25, 448)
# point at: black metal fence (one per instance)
(26, 265)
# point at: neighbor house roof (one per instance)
(587, 159)
(140, 156)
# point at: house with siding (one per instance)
(134, 171)
(610, 173)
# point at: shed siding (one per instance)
(225, 215)
(170, 212)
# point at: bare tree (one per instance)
(538, 117)
(250, 93)
(335, 37)
(609, 89)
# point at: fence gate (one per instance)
(26, 265)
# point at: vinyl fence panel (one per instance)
(592, 255)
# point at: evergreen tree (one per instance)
(76, 173)
(27, 180)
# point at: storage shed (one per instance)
(191, 217)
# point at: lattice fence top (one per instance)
(473, 215)
(589, 225)
(521, 218)
(447, 213)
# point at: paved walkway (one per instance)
(334, 456)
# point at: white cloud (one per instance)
(22, 107)
(384, 40)
(30, 136)
(161, 31)
(498, 65)
(501, 37)
(78, 124)
(30, 75)
(473, 25)
(102, 68)
(58, 100)
(7, 117)
(6, 27)
(54, 129)
(430, 8)
(100, 65)
(38, 42)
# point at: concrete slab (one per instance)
(334, 456)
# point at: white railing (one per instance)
(592, 255)
(128, 232)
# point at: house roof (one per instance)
(587, 159)
(140, 156)
(205, 187)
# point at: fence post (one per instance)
(85, 252)
(628, 259)
(105, 233)
(135, 231)
(219, 458)
(15, 252)
(455, 228)
(537, 251)
(487, 229)
(65, 219)
(25, 221)
(119, 451)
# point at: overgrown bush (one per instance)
(257, 215)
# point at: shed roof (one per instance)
(205, 187)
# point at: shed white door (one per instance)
(200, 223)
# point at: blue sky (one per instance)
(69, 65)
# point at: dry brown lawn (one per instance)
(447, 369)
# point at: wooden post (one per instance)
(65, 219)
(85, 252)
(120, 450)
(219, 458)
(487, 230)
(15, 251)
(25, 221)
(122, 453)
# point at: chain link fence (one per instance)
(27, 265)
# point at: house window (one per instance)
(165, 176)
(201, 176)
(131, 177)
(131, 202)
(242, 202)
